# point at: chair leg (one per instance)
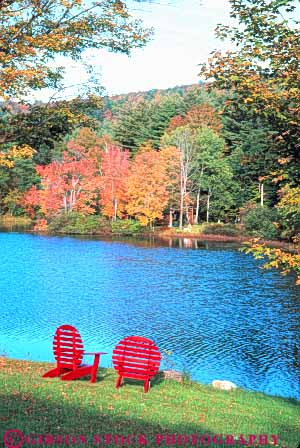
(119, 381)
(95, 368)
(146, 385)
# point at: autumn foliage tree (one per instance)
(176, 122)
(33, 32)
(289, 210)
(111, 169)
(9, 157)
(66, 185)
(146, 188)
(199, 116)
(16, 169)
(262, 73)
(115, 166)
(86, 144)
(170, 156)
(285, 262)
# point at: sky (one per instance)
(183, 38)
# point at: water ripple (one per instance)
(221, 315)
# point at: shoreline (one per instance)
(164, 234)
(6, 359)
(231, 239)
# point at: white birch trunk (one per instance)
(208, 206)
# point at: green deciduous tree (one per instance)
(212, 174)
(203, 169)
(184, 139)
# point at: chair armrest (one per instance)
(95, 353)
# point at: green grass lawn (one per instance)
(50, 406)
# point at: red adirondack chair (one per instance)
(138, 358)
(68, 352)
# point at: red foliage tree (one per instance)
(67, 186)
(31, 201)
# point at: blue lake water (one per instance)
(219, 313)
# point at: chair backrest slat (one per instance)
(136, 356)
(67, 347)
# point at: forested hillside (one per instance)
(170, 156)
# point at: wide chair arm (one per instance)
(95, 353)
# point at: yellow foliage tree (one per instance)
(146, 187)
(15, 152)
(286, 262)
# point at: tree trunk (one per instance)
(182, 191)
(187, 214)
(261, 189)
(71, 201)
(115, 209)
(170, 219)
(181, 210)
(197, 206)
(207, 207)
(65, 203)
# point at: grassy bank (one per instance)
(50, 406)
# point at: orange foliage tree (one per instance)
(176, 122)
(32, 201)
(199, 116)
(204, 116)
(115, 166)
(146, 188)
(88, 145)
